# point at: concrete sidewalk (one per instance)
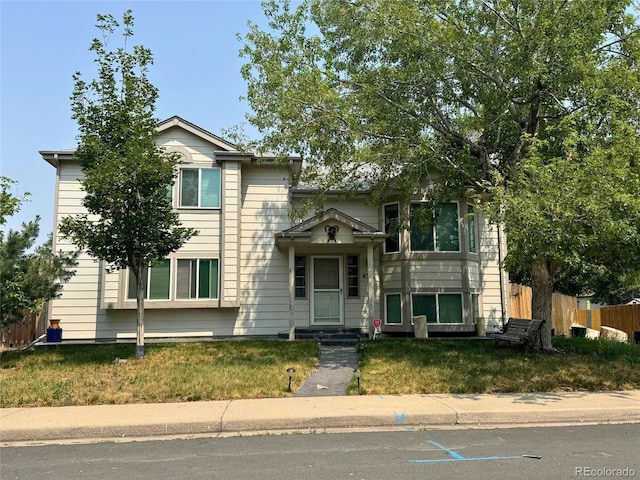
(315, 413)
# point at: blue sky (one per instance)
(196, 69)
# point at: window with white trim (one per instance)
(300, 277)
(393, 308)
(156, 280)
(197, 278)
(391, 216)
(438, 307)
(200, 187)
(439, 234)
(353, 276)
(471, 230)
(475, 307)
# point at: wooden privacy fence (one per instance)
(564, 311)
(622, 317)
(23, 332)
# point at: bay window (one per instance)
(439, 234)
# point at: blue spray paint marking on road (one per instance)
(399, 418)
(457, 457)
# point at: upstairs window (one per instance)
(200, 187)
(391, 215)
(471, 229)
(439, 234)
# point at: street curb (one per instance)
(316, 413)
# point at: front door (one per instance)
(326, 299)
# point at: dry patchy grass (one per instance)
(108, 374)
(408, 366)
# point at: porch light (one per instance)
(291, 372)
(357, 373)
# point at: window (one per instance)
(197, 279)
(471, 229)
(393, 308)
(391, 214)
(157, 280)
(439, 235)
(475, 307)
(200, 187)
(301, 277)
(353, 289)
(439, 308)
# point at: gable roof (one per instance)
(179, 122)
(304, 228)
(224, 150)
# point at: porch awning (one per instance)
(331, 227)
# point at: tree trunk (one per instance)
(542, 300)
(139, 274)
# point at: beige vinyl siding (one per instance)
(392, 275)
(78, 305)
(264, 284)
(490, 273)
(436, 274)
(475, 282)
(231, 239)
(198, 150)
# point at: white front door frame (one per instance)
(330, 293)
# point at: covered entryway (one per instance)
(325, 253)
(327, 301)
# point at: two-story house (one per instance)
(252, 271)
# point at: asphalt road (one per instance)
(604, 451)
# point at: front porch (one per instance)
(332, 272)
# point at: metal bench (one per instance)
(520, 331)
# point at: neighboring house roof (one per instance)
(633, 301)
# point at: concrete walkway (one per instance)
(111, 422)
(333, 373)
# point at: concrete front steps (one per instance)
(328, 336)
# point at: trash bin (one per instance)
(420, 326)
(636, 337)
(578, 331)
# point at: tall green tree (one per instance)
(29, 276)
(524, 106)
(130, 221)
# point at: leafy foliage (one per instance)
(528, 108)
(130, 221)
(9, 203)
(28, 277)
